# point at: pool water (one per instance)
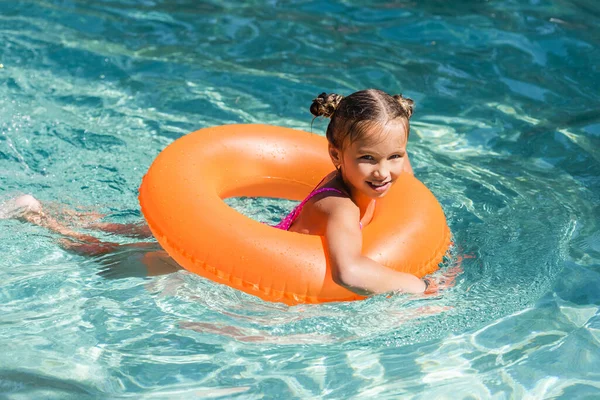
(506, 133)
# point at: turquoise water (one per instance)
(506, 134)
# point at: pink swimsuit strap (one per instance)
(287, 222)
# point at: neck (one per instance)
(363, 202)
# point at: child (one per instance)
(367, 136)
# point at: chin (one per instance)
(379, 195)
(373, 195)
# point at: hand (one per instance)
(442, 281)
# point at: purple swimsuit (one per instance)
(287, 222)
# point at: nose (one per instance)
(382, 171)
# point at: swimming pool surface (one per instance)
(506, 133)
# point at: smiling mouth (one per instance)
(379, 186)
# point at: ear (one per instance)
(336, 156)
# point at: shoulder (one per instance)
(325, 211)
(335, 205)
(333, 198)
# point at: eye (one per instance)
(366, 158)
(396, 156)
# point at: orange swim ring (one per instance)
(182, 195)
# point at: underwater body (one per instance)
(505, 133)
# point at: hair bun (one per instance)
(406, 104)
(325, 104)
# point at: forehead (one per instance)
(392, 134)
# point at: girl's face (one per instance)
(371, 165)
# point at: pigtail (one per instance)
(325, 105)
(406, 104)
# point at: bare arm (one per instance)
(360, 274)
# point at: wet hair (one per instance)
(354, 115)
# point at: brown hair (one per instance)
(353, 115)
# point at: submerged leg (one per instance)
(28, 208)
(135, 259)
(139, 230)
(14, 208)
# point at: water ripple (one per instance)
(505, 134)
